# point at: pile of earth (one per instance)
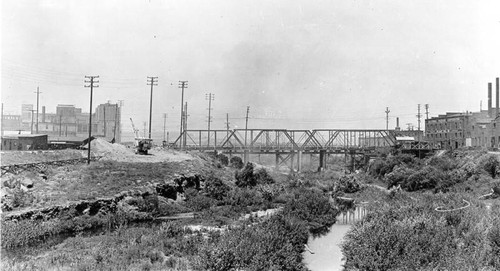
(121, 153)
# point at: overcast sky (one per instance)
(297, 64)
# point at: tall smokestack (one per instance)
(43, 113)
(489, 101)
(397, 124)
(496, 97)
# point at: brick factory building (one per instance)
(469, 129)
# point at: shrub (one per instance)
(249, 177)
(384, 166)
(406, 234)
(245, 177)
(490, 164)
(275, 244)
(262, 177)
(244, 197)
(216, 188)
(347, 184)
(313, 207)
(197, 201)
(236, 162)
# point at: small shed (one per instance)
(24, 142)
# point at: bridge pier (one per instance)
(299, 161)
(246, 156)
(322, 160)
(277, 160)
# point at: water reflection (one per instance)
(327, 254)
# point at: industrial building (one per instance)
(470, 129)
(24, 142)
(67, 124)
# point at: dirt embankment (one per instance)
(117, 171)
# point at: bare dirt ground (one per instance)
(118, 170)
(98, 147)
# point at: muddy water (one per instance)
(327, 254)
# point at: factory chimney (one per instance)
(496, 97)
(43, 113)
(489, 101)
(397, 124)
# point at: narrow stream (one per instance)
(327, 254)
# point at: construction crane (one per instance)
(141, 144)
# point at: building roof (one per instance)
(24, 136)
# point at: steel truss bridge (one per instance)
(287, 144)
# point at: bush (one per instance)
(407, 234)
(197, 201)
(382, 167)
(236, 162)
(245, 177)
(275, 244)
(490, 164)
(313, 207)
(262, 177)
(216, 188)
(347, 184)
(244, 197)
(249, 177)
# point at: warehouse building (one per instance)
(24, 142)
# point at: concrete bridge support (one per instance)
(299, 161)
(246, 156)
(322, 160)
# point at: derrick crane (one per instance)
(141, 144)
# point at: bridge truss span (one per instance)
(283, 140)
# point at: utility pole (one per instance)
(153, 82)
(32, 119)
(387, 118)
(246, 126)
(91, 81)
(114, 128)
(418, 117)
(209, 97)
(164, 128)
(120, 102)
(37, 103)
(227, 125)
(182, 85)
(185, 123)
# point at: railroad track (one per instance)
(39, 166)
